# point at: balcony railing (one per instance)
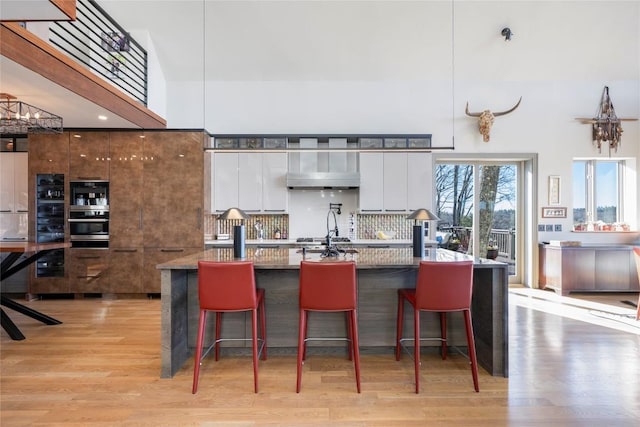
(96, 41)
(504, 240)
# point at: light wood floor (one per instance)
(101, 368)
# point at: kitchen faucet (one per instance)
(334, 208)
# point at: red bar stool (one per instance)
(328, 287)
(440, 287)
(636, 252)
(229, 287)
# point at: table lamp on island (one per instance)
(239, 232)
(420, 216)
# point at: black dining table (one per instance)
(9, 267)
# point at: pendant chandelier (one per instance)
(17, 117)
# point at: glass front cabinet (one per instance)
(50, 222)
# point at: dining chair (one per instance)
(441, 287)
(328, 287)
(229, 287)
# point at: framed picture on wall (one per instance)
(554, 212)
(554, 190)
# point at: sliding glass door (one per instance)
(478, 204)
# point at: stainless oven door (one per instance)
(89, 228)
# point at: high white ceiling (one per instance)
(214, 40)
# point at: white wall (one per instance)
(311, 208)
(395, 66)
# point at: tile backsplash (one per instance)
(364, 226)
(270, 223)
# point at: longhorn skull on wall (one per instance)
(485, 119)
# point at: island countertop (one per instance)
(289, 258)
(291, 243)
(381, 272)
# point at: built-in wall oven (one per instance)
(89, 214)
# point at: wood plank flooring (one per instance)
(101, 367)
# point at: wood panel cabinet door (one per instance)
(89, 155)
(88, 271)
(49, 153)
(173, 189)
(126, 187)
(126, 269)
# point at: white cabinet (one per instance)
(14, 188)
(225, 181)
(394, 182)
(253, 182)
(371, 182)
(14, 226)
(419, 181)
(274, 182)
(250, 182)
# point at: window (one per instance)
(597, 189)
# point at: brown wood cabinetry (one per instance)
(126, 187)
(48, 153)
(125, 270)
(155, 204)
(587, 268)
(173, 200)
(173, 189)
(88, 271)
(89, 155)
(156, 207)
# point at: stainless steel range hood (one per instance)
(320, 170)
(321, 180)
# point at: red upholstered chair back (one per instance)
(328, 286)
(226, 285)
(444, 286)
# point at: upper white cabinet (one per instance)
(225, 181)
(274, 182)
(394, 182)
(419, 181)
(250, 182)
(253, 182)
(371, 182)
(14, 182)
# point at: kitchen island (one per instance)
(381, 271)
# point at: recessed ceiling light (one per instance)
(101, 117)
(76, 136)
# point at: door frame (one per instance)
(527, 205)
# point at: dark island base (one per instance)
(377, 305)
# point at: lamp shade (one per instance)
(234, 213)
(423, 215)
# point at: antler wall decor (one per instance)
(485, 119)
